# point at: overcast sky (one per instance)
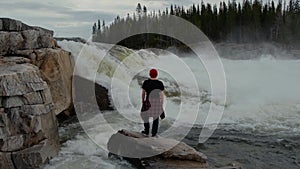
(74, 18)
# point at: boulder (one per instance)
(56, 66)
(29, 158)
(151, 152)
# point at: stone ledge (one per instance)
(7, 24)
(12, 60)
(24, 40)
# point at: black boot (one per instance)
(155, 127)
(146, 129)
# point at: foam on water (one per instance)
(82, 152)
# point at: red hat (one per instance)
(153, 73)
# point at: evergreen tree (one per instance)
(171, 10)
(94, 28)
(145, 10)
(103, 24)
(139, 8)
(99, 24)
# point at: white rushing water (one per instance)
(262, 95)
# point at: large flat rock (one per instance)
(151, 152)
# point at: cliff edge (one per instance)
(35, 85)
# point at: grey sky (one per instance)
(74, 18)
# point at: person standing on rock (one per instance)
(152, 100)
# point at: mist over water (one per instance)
(261, 94)
(262, 97)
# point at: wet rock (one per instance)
(150, 152)
(96, 98)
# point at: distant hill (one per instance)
(75, 39)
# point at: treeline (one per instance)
(249, 21)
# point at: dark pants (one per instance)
(154, 126)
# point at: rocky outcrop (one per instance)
(151, 152)
(15, 35)
(85, 97)
(28, 126)
(37, 46)
(35, 85)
